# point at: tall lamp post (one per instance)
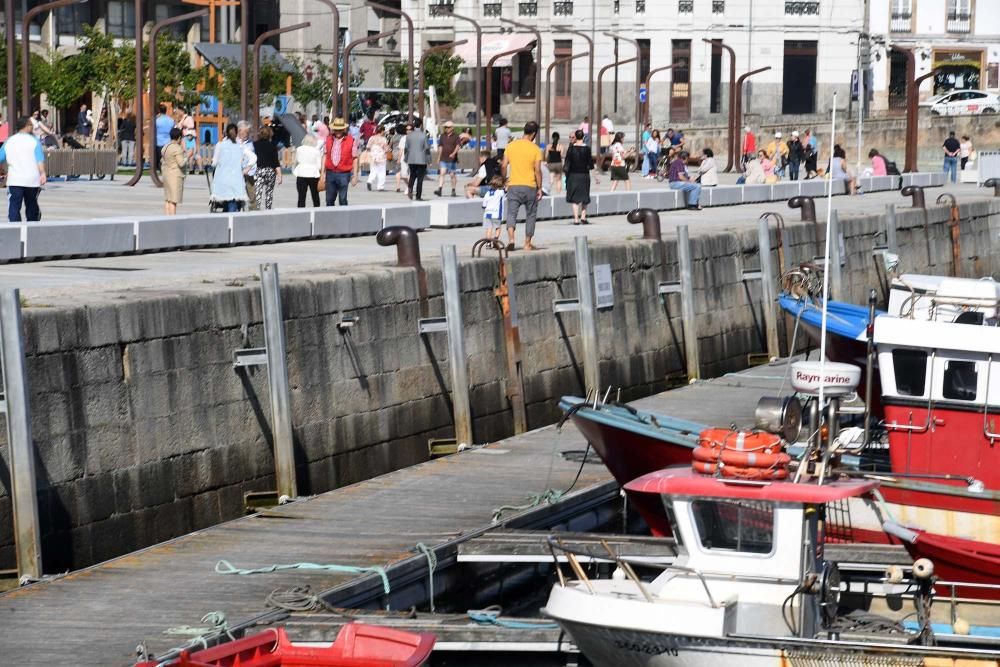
(649, 78)
(346, 82)
(590, 80)
(912, 100)
(733, 124)
(423, 59)
(538, 63)
(257, 44)
(409, 39)
(548, 89)
(739, 99)
(140, 115)
(244, 47)
(336, 52)
(26, 49)
(600, 80)
(489, 84)
(439, 10)
(8, 8)
(153, 87)
(638, 85)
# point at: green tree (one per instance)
(61, 78)
(440, 72)
(38, 72)
(226, 85)
(176, 79)
(320, 88)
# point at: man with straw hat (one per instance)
(340, 163)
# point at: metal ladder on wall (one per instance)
(20, 447)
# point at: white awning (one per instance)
(492, 45)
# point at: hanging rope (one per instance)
(432, 563)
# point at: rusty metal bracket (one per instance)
(779, 226)
(954, 227)
(916, 192)
(808, 207)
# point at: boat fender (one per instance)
(923, 569)
(960, 626)
(894, 575)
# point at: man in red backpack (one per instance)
(340, 163)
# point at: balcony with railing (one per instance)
(527, 9)
(900, 22)
(718, 6)
(959, 22)
(562, 8)
(685, 6)
(492, 9)
(802, 7)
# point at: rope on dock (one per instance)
(491, 616)
(225, 567)
(548, 496)
(432, 563)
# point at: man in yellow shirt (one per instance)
(524, 183)
(777, 152)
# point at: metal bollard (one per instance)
(408, 255)
(993, 183)
(954, 228)
(808, 207)
(650, 221)
(917, 194)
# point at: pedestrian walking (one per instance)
(607, 132)
(418, 154)
(25, 161)
(578, 165)
(83, 123)
(501, 138)
(523, 158)
(619, 169)
(585, 128)
(403, 173)
(652, 153)
(448, 144)
(268, 173)
(246, 143)
(681, 180)
(308, 165)
(173, 162)
(952, 149)
(554, 156)
(231, 164)
(796, 154)
(162, 126)
(965, 150)
(378, 157)
(749, 144)
(647, 133)
(126, 135)
(341, 163)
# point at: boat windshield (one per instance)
(735, 525)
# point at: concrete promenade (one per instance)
(65, 282)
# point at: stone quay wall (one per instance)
(144, 430)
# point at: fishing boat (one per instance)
(357, 645)
(749, 587)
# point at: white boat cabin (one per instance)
(944, 299)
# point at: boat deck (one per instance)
(98, 616)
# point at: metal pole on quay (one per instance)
(458, 361)
(687, 304)
(588, 317)
(277, 381)
(768, 297)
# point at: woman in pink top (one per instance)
(766, 164)
(878, 163)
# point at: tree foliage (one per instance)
(440, 72)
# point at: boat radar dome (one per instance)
(836, 379)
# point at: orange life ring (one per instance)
(705, 468)
(742, 459)
(736, 472)
(743, 441)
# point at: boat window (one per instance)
(910, 369)
(735, 525)
(959, 380)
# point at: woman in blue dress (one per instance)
(231, 163)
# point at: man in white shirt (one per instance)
(25, 171)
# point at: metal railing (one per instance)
(959, 22)
(685, 6)
(527, 9)
(718, 6)
(492, 8)
(562, 8)
(802, 7)
(900, 22)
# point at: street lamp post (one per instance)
(590, 80)
(244, 47)
(346, 81)
(435, 9)
(649, 77)
(257, 44)
(8, 8)
(336, 52)
(548, 89)
(140, 116)
(739, 99)
(409, 68)
(638, 85)
(538, 63)
(26, 49)
(600, 87)
(733, 125)
(423, 59)
(489, 85)
(153, 87)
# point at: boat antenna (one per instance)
(826, 279)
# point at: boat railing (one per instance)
(625, 564)
(908, 308)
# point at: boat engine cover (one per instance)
(836, 379)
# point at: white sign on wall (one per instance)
(603, 288)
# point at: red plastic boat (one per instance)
(357, 645)
(954, 558)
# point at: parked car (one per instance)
(962, 102)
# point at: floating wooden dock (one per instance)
(98, 616)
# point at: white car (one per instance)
(963, 102)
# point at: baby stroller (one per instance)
(662, 168)
(213, 205)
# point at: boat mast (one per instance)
(826, 288)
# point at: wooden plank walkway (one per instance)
(98, 615)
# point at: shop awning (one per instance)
(492, 45)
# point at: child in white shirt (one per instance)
(494, 208)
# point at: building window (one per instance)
(901, 16)
(640, 6)
(562, 8)
(616, 7)
(441, 7)
(372, 43)
(993, 76)
(802, 7)
(959, 16)
(718, 6)
(492, 8)
(527, 9)
(121, 18)
(685, 6)
(798, 95)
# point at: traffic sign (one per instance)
(643, 94)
